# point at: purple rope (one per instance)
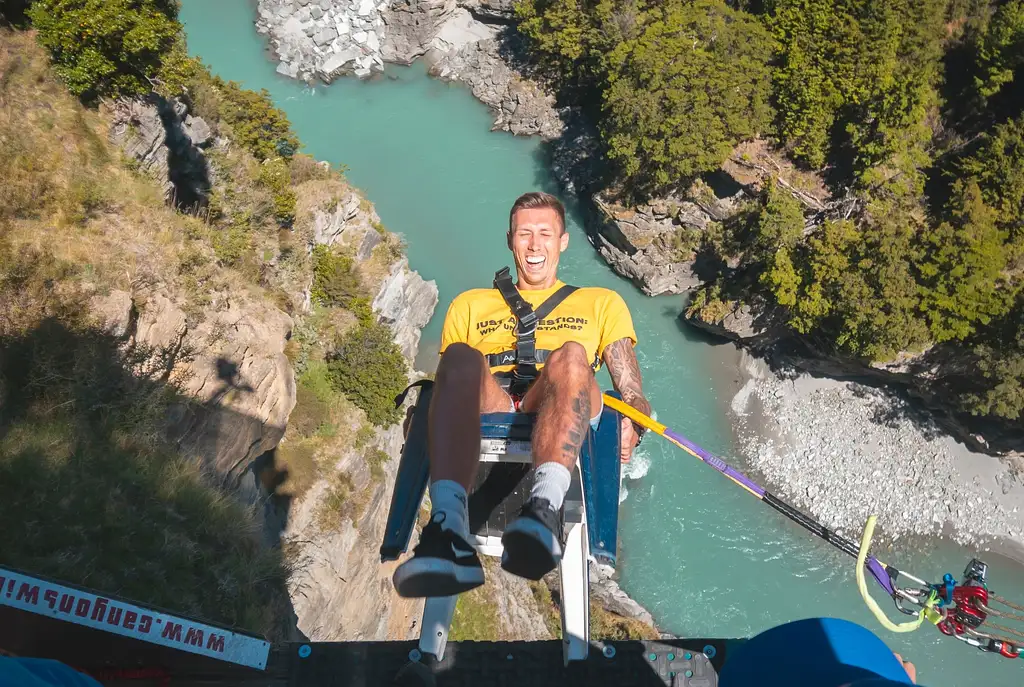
(717, 463)
(874, 566)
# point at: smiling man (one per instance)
(489, 365)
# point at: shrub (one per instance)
(369, 368)
(316, 377)
(231, 245)
(364, 436)
(335, 279)
(309, 414)
(305, 168)
(276, 176)
(255, 122)
(110, 48)
(376, 458)
(341, 502)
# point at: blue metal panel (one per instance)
(599, 461)
(410, 482)
(514, 426)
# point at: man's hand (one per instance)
(625, 372)
(628, 441)
(909, 667)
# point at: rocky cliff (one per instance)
(228, 358)
(230, 364)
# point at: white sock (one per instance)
(449, 497)
(551, 482)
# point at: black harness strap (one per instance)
(526, 356)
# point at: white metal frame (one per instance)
(573, 571)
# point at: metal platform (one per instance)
(118, 661)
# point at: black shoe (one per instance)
(533, 542)
(442, 564)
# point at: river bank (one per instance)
(844, 451)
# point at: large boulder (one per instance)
(739, 322)
(650, 244)
(491, 11)
(324, 39)
(412, 26)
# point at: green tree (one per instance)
(998, 168)
(856, 69)
(823, 265)
(816, 70)
(369, 368)
(110, 48)
(251, 118)
(558, 30)
(962, 283)
(692, 84)
(1000, 50)
(1003, 369)
(779, 228)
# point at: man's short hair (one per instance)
(537, 199)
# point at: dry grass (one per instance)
(604, 624)
(65, 187)
(377, 268)
(99, 496)
(607, 625)
(476, 612)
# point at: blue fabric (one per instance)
(41, 672)
(816, 652)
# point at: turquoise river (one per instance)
(703, 556)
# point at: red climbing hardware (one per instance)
(965, 612)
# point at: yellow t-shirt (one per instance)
(593, 317)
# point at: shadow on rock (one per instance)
(103, 491)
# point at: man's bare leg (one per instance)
(444, 563)
(463, 389)
(564, 397)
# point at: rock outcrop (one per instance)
(324, 39)
(230, 365)
(742, 323)
(406, 303)
(655, 244)
(351, 222)
(491, 11)
(606, 591)
(166, 143)
(520, 105)
(339, 588)
(646, 246)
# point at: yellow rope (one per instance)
(862, 556)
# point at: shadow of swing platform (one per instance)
(122, 643)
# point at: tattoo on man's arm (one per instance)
(625, 372)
